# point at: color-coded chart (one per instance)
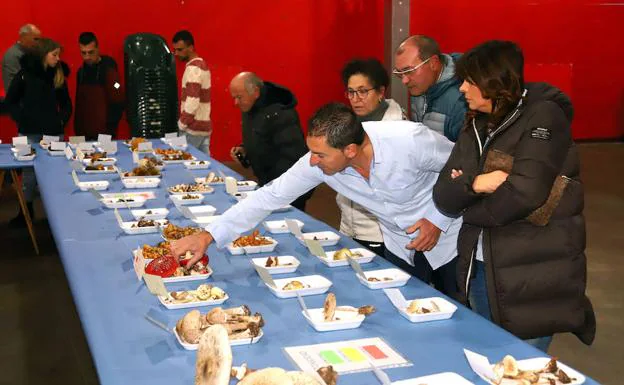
(347, 356)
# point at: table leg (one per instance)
(22, 201)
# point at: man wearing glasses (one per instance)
(430, 79)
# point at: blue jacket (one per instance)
(442, 108)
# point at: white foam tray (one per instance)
(447, 378)
(346, 320)
(197, 164)
(246, 185)
(102, 161)
(367, 256)
(111, 171)
(128, 229)
(399, 278)
(279, 227)
(279, 269)
(247, 341)
(175, 306)
(177, 199)
(206, 190)
(140, 182)
(318, 285)
(159, 213)
(111, 203)
(539, 363)
(95, 185)
(201, 211)
(325, 238)
(252, 249)
(447, 310)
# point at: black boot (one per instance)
(20, 220)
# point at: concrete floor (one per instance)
(43, 343)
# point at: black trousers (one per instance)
(444, 279)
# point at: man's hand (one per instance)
(427, 238)
(196, 244)
(456, 173)
(237, 150)
(488, 183)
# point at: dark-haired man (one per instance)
(388, 167)
(99, 92)
(194, 119)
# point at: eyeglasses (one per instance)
(361, 93)
(408, 70)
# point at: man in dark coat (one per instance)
(272, 137)
(99, 93)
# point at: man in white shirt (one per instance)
(388, 170)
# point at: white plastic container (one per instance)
(174, 306)
(325, 238)
(113, 203)
(128, 228)
(177, 199)
(447, 378)
(246, 185)
(56, 152)
(447, 309)
(204, 190)
(280, 269)
(201, 211)
(279, 227)
(141, 182)
(155, 214)
(343, 319)
(367, 256)
(203, 180)
(246, 341)
(315, 284)
(205, 220)
(539, 363)
(197, 164)
(93, 185)
(25, 158)
(252, 249)
(193, 159)
(108, 170)
(102, 161)
(399, 278)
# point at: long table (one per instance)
(127, 349)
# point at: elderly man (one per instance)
(430, 79)
(194, 119)
(389, 168)
(272, 137)
(28, 36)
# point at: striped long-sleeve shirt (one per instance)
(195, 99)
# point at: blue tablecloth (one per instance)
(8, 161)
(127, 349)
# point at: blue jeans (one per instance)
(202, 143)
(479, 302)
(29, 181)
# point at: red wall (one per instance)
(301, 44)
(576, 45)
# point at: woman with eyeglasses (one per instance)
(513, 175)
(39, 103)
(366, 81)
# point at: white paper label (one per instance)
(186, 212)
(23, 150)
(118, 216)
(265, 276)
(145, 146)
(96, 194)
(57, 146)
(135, 158)
(303, 305)
(355, 265)
(139, 264)
(68, 153)
(75, 165)
(315, 248)
(85, 146)
(50, 139)
(20, 141)
(480, 365)
(75, 177)
(293, 227)
(396, 297)
(76, 139)
(170, 135)
(104, 138)
(230, 185)
(155, 284)
(79, 154)
(110, 147)
(178, 142)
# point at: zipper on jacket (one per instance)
(472, 258)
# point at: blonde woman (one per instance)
(39, 103)
(365, 82)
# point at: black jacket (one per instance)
(535, 274)
(35, 104)
(272, 134)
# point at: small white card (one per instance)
(51, 139)
(79, 154)
(68, 153)
(110, 147)
(118, 216)
(230, 185)
(355, 265)
(23, 150)
(480, 365)
(294, 228)
(155, 284)
(103, 138)
(75, 165)
(84, 146)
(315, 248)
(57, 146)
(135, 157)
(178, 142)
(96, 194)
(303, 305)
(265, 276)
(75, 178)
(186, 211)
(145, 147)
(396, 297)
(169, 135)
(20, 141)
(76, 139)
(139, 264)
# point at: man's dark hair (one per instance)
(370, 68)
(185, 36)
(338, 123)
(87, 38)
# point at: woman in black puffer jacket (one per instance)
(514, 177)
(39, 102)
